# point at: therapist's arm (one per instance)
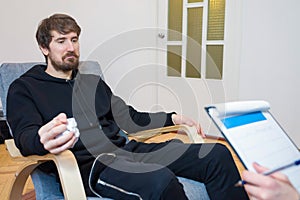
(275, 186)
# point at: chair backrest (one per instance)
(8, 73)
(11, 71)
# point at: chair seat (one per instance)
(47, 187)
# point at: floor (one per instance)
(8, 168)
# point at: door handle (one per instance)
(161, 35)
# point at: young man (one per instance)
(46, 96)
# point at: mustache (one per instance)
(70, 54)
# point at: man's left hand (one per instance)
(180, 119)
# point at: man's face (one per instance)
(63, 52)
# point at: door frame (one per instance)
(229, 85)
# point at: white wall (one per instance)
(270, 58)
(101, 21)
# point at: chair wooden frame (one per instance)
(67, 168)
(66, 163)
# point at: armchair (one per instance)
(65, 162)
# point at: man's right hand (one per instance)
(49, 132)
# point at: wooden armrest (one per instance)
(65, 162)
(191, 131)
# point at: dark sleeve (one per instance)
(131, 120)
(24, 120)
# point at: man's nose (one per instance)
(70, 46)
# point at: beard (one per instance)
(67, 63)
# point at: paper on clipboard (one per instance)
(240, 107)
(255, 135)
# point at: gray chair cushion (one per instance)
(11, 71)
(8, 73)
(47, 187)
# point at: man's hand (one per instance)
(49, 132)
(180, 119)
(275, 186)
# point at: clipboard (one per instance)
(255, 135)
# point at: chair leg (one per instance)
(19, 182)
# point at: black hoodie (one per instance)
(36, 98)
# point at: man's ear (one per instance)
(44, 50)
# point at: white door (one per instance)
(194, 77)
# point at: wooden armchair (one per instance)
(67, 165)
(67, 168)
(65, 162)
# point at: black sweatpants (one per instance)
(149, 171)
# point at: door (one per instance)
(198, 55)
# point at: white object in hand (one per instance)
(71, 127)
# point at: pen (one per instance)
(295, 163)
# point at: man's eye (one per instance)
(74, 40)
(60, 41)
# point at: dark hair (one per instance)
(61, 23)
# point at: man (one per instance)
(273, 187)
(46, 96)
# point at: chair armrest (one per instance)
(191, 132)
(65, 162)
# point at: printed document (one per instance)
(256, 136)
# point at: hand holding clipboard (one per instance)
(256, 136)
